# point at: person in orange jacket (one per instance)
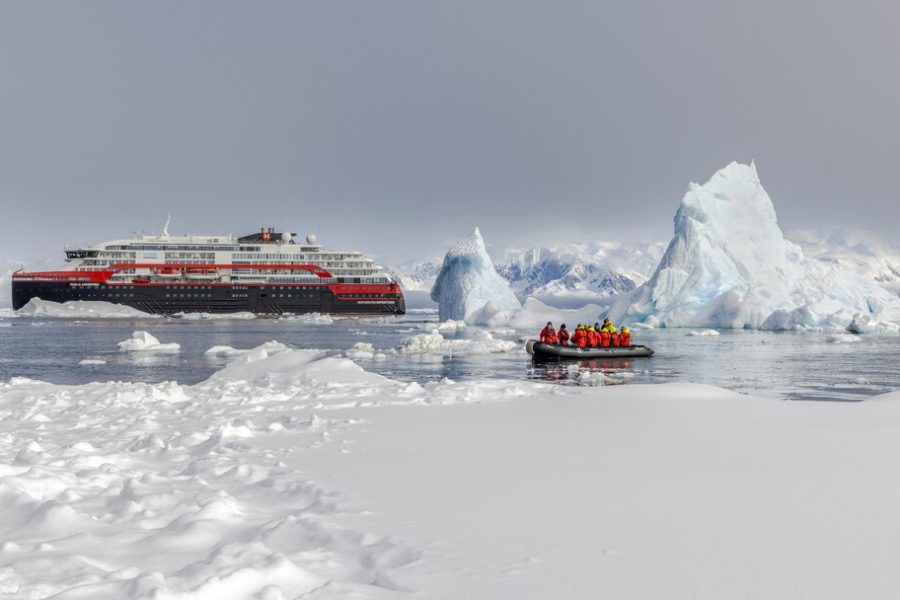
(614, 337)
(548, 334)
(579, 338)
(563, 335)
(604, 337)
(592, 340)
(625, 337)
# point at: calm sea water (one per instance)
(784, 365)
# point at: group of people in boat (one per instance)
(586, 336)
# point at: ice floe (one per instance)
(479, 341)
(206, 316)
(309, 318)
(143, 341)
(81, 309)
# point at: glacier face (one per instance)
(730, 266)
(468, 287)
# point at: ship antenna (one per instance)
(165, 232)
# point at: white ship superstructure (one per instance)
(284, 276)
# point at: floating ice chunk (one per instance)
(451, 326)
(81, 309)
(205, 316)
(842, 338)
(866, 324)
(468, 287)
(92, 361)
(480, 342)
(703, 333)
(309, 319)
(361, 351)
(142, 341)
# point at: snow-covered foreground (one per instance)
(293, 474)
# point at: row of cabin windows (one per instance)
(170, 247)
(188, 295)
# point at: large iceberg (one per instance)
(468, 287)
(729, 266)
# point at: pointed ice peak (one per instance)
(471, 244)
(468, 287)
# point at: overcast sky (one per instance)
(394, 127)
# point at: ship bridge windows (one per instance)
(81, 253)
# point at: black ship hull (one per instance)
(160, 298)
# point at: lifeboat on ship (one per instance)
(143, 280)
(201, 274)
(168, 273)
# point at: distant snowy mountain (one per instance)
(576, 274)
(729, 265)
(568, 276)
(862, 252)
(417, 276)
(468, 287)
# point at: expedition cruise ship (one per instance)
(266, 272)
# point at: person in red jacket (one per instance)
(593, 339)
(579, 338)
(548, 334)
(614, 337)
(563, 335)
(625, 337)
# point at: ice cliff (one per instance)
(729, 266)
(468, 287)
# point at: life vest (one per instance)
(604, 338)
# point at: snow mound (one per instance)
(468, 287)
(480, 342)
(703, 333)
(142, 341)
(81, 309)
(729, 266)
